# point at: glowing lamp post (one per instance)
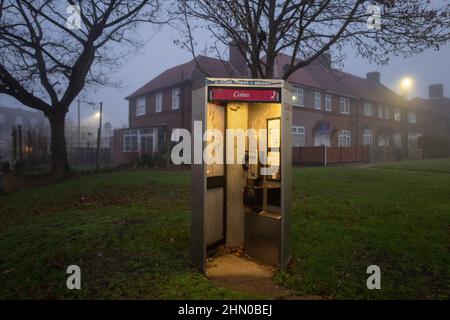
(99, 114)
(405, 86)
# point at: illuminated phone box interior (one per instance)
(243, 198)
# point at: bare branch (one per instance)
(306, 29)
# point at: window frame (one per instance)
(413, 136)
(367, 137)
(130, 134)
(345, 135)
(317, 98)
(412, 117)
(140, 109)
(344, 104)
(299, 94)
(328, 106)
(299, 131)
(158, 102)
(368, 106)
(176, 92)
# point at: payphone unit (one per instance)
(243, 197)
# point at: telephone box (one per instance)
(245, 203)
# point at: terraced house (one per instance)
(331, 107)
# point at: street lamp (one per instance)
(405, 86)
(99, 114)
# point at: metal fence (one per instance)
(30, 147)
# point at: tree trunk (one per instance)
(270, 66)
(60, 163)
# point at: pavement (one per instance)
(245, 275)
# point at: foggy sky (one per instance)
(161, 53)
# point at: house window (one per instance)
(327, 102)
(145, 141)
(398, 140)
(387, 111)
(412, 118)
(367, 137)
(298, 136)
(19, 120)
(2, 118)
(413, 140)
(140, 106)
(297, 97)
(158, 104)
(142, 141)
(130, 141)
(380, 111)
(345, 105)
(317, 100)
(368, 109)
(176, 99)
(397, 114)
(345, 137)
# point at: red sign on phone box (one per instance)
(232, 94)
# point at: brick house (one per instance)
(331, 107)
(161, 105)
(434, 122)
(334, 108)
(435, 112)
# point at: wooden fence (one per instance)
(329, 155)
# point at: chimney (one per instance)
(236, 59)
(325, 59)
(436, 91)
(373, 76)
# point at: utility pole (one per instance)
(13, 165)
(99, 137)
(20, 143)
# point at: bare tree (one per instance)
(306, 29)
(50, 50)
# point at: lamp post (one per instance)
(79, 124)
(99, 136)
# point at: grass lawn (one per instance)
(129, 233)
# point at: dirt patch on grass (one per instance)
(245, 275)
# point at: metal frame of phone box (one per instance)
(200, 99)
